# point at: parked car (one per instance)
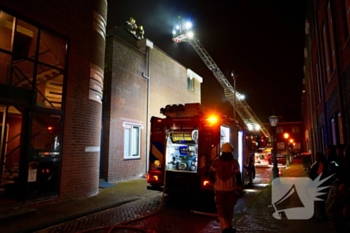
(262, 156)
(281, 158)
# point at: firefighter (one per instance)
(140, 32)
(131, 25)
(226, 176)
(251, 166)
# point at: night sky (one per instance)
(263, 41)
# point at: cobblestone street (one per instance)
(253, 213)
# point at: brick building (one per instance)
(65, 114)
(139, 80)
(288, 135)
(326, 97)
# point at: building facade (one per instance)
(140, 79)
(326, 95)
(289, 135)
(51, 78)
(67, 117)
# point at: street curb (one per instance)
(74, 216)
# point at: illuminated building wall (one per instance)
(126, 105)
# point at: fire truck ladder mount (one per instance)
(242, 108)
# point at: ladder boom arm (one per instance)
(242, 108)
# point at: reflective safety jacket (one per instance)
(225, 167)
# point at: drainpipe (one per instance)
(147, 45)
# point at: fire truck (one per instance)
(183, 145)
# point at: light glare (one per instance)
(190, 34)
(250, 127)
(188, 25)
(242, 97)
(212, 119)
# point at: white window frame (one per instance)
(190, 83)
(132, 140)
(297, 145)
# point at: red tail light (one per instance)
(154, 176)
(206, 182)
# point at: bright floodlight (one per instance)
(257, 127)
(241, 97)
(190, 34)
(250, 127)
(177, 27)
(174, 32)
(188, 25)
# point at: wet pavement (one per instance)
(154, 212)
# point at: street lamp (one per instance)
(286, 136)
(273, 122)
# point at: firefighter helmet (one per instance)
(226, 147)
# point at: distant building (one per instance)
(288, 135)
(326, 95)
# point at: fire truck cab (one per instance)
(183, 145)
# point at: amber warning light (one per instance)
(212, 119)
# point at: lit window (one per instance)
(190, 83)
(132, 140)
(37, 59)
(297, 145)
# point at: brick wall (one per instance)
(126, 100)
(335, 92)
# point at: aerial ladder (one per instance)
(183, 34)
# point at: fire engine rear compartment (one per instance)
(182, 151)
(183, 146)
(181, 160)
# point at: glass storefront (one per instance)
(32, 77)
